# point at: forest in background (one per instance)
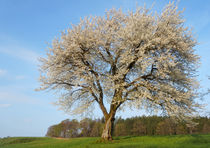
(135, 126)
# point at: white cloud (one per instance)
(20, 77)
(14, 48)
(5, 105)
(21, 94)
(9, 76)
(2, 72)
(17, 97)
(28, 120)
(21, 53)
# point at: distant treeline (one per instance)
(136, 126)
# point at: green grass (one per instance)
(178, 141)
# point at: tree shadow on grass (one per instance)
(125, 137)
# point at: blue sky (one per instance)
(27, 26)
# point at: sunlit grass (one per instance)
(178, 141)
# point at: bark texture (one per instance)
(108, 128)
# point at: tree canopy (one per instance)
(136, 59)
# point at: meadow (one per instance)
(176, 141)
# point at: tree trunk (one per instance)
(108, 128)
(109, 118)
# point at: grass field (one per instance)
(178, 141)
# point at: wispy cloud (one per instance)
(5, 105)
(20, 77)
(14, 48)
(17, 97)
(21, 53)
(3, 72)
(10, 76)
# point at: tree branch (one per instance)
(100, 99)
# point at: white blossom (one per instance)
(140, 58)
